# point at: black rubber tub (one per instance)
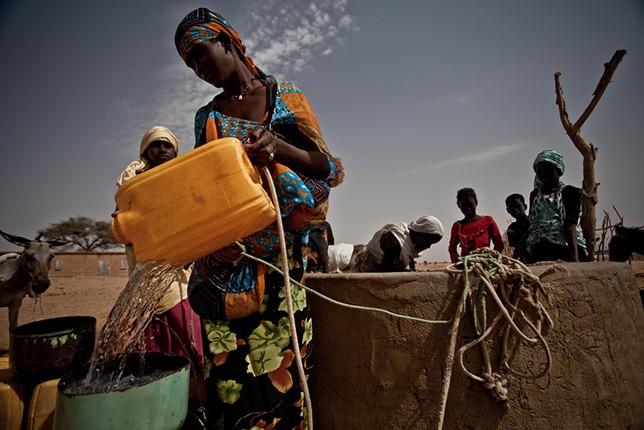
(47, 349)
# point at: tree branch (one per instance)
(561, 103)
(609, 70)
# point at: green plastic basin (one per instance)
(152, 394)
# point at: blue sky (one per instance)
(419, 98)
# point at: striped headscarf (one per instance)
(552, 157)
(202, 26)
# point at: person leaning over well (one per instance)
(394, 247)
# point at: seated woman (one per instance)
(395, 247)
(253, 380)
(473, 231)
(555, 209)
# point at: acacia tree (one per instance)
(82, 232)
(587, 150)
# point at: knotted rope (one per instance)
(515, 290)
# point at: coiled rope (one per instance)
(514, 288)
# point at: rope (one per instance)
(344, 304)
(289, 300)
(449, 360)
(289, 303)
(511, 284)
(491, 268)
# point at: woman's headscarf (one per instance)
(552, 157)
(202, 26)
(428, 225)
(158, 132)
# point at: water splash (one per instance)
(131, 314)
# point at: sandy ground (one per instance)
(95, 296)
(92, 296)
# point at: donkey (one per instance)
(24, 274)
(624, 242)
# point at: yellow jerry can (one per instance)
(11, 394)
(42, 406)
(193, 205)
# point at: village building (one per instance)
(67, 264)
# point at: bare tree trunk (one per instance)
(588, 151)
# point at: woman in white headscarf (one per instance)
(158, 145)
(175, 327)
(396, 246)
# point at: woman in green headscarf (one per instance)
(555, 209)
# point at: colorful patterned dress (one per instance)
(253, 377)
(549, 215)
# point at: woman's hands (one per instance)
(264, 147)
(261, 146)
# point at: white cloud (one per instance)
(283, 37)
(476, 158)
(290, 40)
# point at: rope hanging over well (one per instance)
(518, 294)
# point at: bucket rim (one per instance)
(81, 323)
(181, 364)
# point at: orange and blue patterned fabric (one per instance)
(202, 26)
(303, 200)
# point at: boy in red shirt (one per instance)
(473, 231)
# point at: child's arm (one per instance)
(391, 252)
(570, 233)
(513, 236)
(453, 242)
(495, 234)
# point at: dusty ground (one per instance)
(95, 296)
(638, 268)
(428, 267)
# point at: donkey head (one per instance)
(35, 260)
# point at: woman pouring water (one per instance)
(253, 380)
